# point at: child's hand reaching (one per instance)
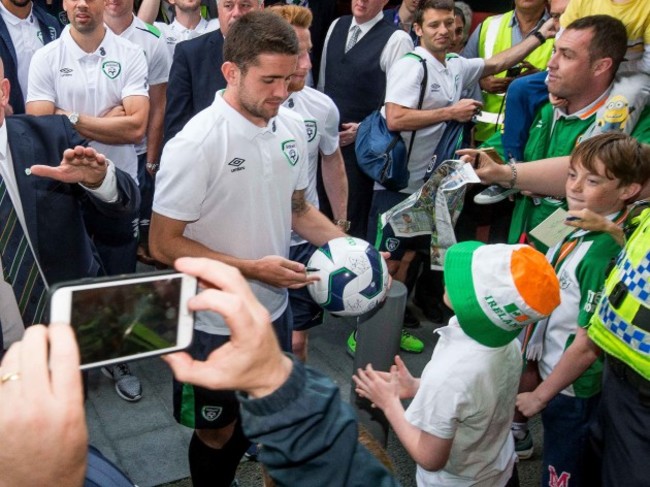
(380, 388)
(408, 385)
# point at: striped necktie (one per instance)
(354, 37)
(18, 264)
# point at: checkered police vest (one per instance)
(621, 323)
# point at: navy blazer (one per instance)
(194, 79)
(54, 210)
(50, 30)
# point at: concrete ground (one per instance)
(144, 440)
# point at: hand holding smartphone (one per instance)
(492, 153)
(126, 318)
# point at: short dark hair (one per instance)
(258, 32)
(609, 37)
(431, 4)
(624, 158)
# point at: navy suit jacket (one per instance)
(50, 30)
(54, 210)
(194, 79)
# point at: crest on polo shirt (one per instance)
(52, 32)
(290, 151)
(112, 69)
(312, 129)
(211, 413)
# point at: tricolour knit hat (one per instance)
(496, 290)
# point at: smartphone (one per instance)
(126, 318)
(494, 155)
(514, 71)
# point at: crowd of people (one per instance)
(206, 137)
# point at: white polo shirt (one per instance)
(91, 83)
(176, 32)
(151, 40)
(232, 182)
(321, 118)
(26, 37)
(445, 83)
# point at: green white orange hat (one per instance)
(496, 290)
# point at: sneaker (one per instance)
(409, 343)
(524, 447)
(493, 194)
(127, 385)
(410, 321)
(352, 343)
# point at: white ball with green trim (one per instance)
(353, 276)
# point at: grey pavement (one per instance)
(145, 441)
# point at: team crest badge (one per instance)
(52, 34)
(112, 69)
(392, 244)
(312, 129)
(290, 151)
(211, 413)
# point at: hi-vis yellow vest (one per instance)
(495, 37)
(621, 323)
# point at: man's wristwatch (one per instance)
(343, 224)
(152, 166)
(74, 118)
(540, 37)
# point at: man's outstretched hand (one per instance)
(79, 165)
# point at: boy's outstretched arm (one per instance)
(428, 451)
(577, 358)
(408, 385)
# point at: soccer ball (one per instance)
(353, 276)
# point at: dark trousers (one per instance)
(620, 442)
(359, 193)
(146, 185)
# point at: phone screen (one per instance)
(127, 319)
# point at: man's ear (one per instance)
(602, 65)
(417, 29)
(629, 192)
(231, 72)
(5, 88)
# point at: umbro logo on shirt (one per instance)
(237, 164)
(65, 72)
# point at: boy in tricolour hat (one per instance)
(457, 428)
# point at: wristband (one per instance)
(513, 179)
(539, 36)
